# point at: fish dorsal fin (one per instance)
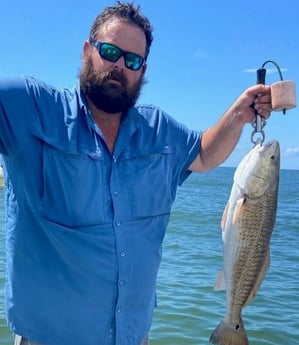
(220, 281)
(259, 280)
(239, 209)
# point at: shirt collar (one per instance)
(130, 121)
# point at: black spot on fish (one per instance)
(237, 327)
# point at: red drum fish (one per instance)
(247, 224)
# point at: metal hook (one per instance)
(260, 139)
(258, 124)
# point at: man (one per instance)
(90, 182)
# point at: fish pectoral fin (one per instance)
(259, 279)
(239, 209)
(220, 281)
(224, 217)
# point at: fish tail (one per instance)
(226, 334)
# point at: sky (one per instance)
(204, 55)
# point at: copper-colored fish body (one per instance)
(247, 224)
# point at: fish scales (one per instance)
(247, 225)
(252, 250)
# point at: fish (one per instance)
(247, 225)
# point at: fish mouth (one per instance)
(271, 143)
(272, 148)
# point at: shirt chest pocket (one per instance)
(150, 181)
(73, 187)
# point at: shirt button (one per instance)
(122, 253)
(110, 332)
(115, 193)
(118, 309)
(122, 283)
(117, 223)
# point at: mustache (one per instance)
(115, 74)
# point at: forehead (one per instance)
(123, 34)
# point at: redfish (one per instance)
(247, 224)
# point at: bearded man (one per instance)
(90, 182)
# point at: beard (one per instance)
(109, 90)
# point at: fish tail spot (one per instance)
(229, 334)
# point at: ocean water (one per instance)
(188, 307)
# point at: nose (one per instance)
(120, 63)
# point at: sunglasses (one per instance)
(112, 53)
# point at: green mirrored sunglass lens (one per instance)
(133, 61)
(110, 53)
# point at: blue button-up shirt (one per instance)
(85, 227)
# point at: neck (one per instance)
(108, 124)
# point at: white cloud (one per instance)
(292, 152)
(269, 70)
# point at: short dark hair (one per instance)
(127, 12)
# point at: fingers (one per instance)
(255, 99)
(261, 99)
(262, 104)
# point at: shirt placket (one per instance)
(118, 197)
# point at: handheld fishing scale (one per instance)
(283, 97)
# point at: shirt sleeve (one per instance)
(187, 147)
(17, 109)
(192, 147)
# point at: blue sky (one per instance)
(204, 55)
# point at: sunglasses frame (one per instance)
(99, 45)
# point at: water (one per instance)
(188, 307)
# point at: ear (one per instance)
(86, 49)
(144, 67)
